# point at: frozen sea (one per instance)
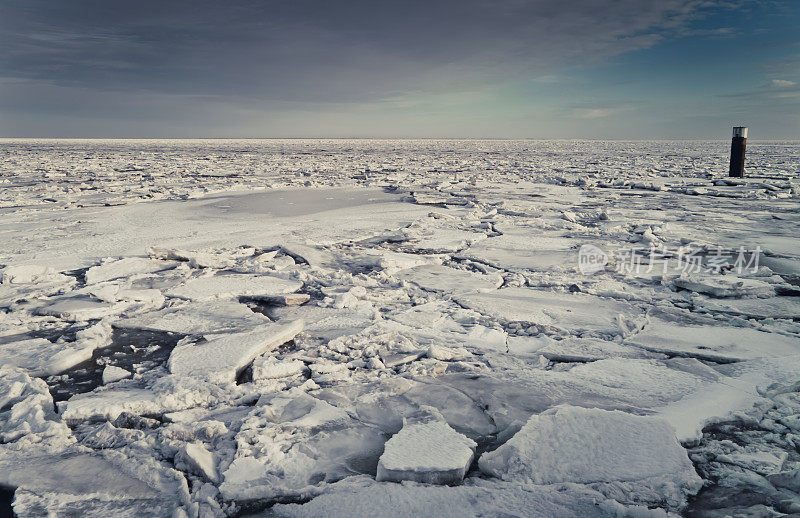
(398, 328)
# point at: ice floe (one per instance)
(622, 455)
(429, 452)
(222, 358)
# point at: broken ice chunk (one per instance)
(28, 415)
(292, 299)
(27, 274)
(394, 261)
(109, 404)
(80, 309)
(269, 367)
(725, 286)
(449, 280)
(593, 446)
(124, 268)
(44, 358)
(776, 307)
(393, 359)
(236, 285)
(447, 354)
(112, 374)
(197, 318)
(221, 359)
(431, 453)
(195, 458)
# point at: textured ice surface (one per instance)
(449, 280)
(435, 275)
(222, 316)
(600, 448)
(114, 269)
(430, 452)
(716, 343)
(44, 358)
(225, 286)
(571, 311)
(221, 358)
(725, 286)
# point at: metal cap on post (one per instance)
(738, 145)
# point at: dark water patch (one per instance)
(129, 349)
(79, 274)
(6, 497)
(59, 331)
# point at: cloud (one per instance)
(782, 83)
(591, 113)
(317, 50)
(781, 91)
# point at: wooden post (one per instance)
(738, 144)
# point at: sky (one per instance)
(615, 69)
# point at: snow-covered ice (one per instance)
(222, 316)
(222, 358)
(334, 328)
(429, 452)
(611, 451)
(225, 286)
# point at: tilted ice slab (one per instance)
(715, 343)
(725, 286)
(125, 268)
(233, 285)
(27, 417)
(432, 453)
(449, 280)
(327, 323)
(575, 312)
(736, 390)
(109, 404)
(775, 307)
(41, 357)
(79, 309)
(194, 318)
(221, 359)
(80, 484)
(393, 262)
(612, 450)
(30, 274)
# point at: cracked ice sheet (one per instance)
(775, 307)
(362, 496)
(41, 357)
(233, 285)
(222, 316)
(526, 249)
(713, 342)
(292, 442)
(737, 390)
(574, 312)
(80, 484)
(107, 231)
(449, 280)
(222, 358)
